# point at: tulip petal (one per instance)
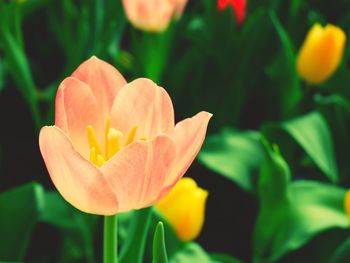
(184, 208)
(321, 53)
(179, 7)
(138, 172)
(189, 136)
(103, 79)
(76, 108)
(149, 15)
(79, 182)
(143, 104)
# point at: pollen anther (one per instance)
(112, 143)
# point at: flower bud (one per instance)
(153, 15)
(238, 6)
(320, 53)
(347, 203)
(184, 208)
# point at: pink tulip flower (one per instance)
(114, 146)
(153, 15)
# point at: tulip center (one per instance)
(99, 156)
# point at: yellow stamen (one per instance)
(93, 140)
(113, 142)
(100, 160)
(93, 155)
(131, 135)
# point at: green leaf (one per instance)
(20, 209)
(19, 68)
(285, 72)
(313, 207)
(230, 154)
(316, 206)
(336, 110)
(191, 252)
(295, 6)
(273, 201)
(274, 178)
(2, 75)
(159, 249)
(342, 254)
(222, 258)
(292, 213)
(130, 242)
(76, 227)
(134, 247)
(173, 243)
(311, 132)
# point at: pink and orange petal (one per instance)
(115, 146)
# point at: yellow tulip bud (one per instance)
(184, 208)
(320, 53)
(347, 203)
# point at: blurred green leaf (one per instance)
(314, 208)
(273, 200)
(255, 30)
(342, 254)
(20, 209)
(222, 258)
(17, 60)
(191, 252)
(274, 178)
(134, 246)
(124, 220)
(127, 222)
(173, 243)
(19, 67)
(295, 6)
(337, 82)
(77, 228)
(159, 248)
(288, 80)
(244, 77)
(336, 110)
(2, 75)
(292, 213)
(311, 132)
(236, 155)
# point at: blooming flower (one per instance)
(114, 146)
(153, 15)
(184, 208)
(239, 8)
(321, 53)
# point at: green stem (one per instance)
(17, 17)
(21, 72)
(110, 240)
(34, 106)
(97, 20)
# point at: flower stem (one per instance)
(110, 240)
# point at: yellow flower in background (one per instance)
(347, 203)
(184, 208)
(321, 53)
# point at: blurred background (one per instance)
(235, 60)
